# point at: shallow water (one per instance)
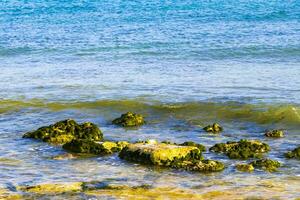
(182, 64)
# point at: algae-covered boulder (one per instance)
(65, 131)
(129, 119)
(159, 154)
(193, 144)
(214, 128)
(266, 164)
(274, 133)
(243, 149)
(244, 167)
(92, 147)
(200, 165)
(293, 154)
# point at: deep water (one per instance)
(182, 64)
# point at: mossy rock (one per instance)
(214, 128)
(65, 131)
(266, 164)
(200, 165)
(293, 154)
(243, 149)
(274, 133)
(159, 154)
(193, 144)
(244, 167)
(129, 119)
(92, 147)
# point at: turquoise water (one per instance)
(183, 64)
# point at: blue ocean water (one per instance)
(182, 64)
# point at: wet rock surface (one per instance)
(129, 119)
(214, 128)
(293, 154)
(274, 133)
(266, 164)
(93, 147)
(65, 131)
(242, 149)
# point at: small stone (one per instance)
(245, 167)
(214, 128)
(129, 119)
(293, 154)
(275, 133)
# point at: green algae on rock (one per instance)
(244, 167)
(65, 131)
(193, 144)
(159, 154)
(92, 147)
(274, 133)
(200, 165)
(129, 119)
(243, 149)
(170, 155)
(266, 164)
(214, 128)
(293, 154)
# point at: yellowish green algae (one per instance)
(242, 149)
(129, 119)
(293, 154)
(214, 128)
(274, 133)
(65, 131)
(93, 147)
(51, 188)
(245, 167)
(158, 154)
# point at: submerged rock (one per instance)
(293, 154)
(243, 149)
(274, 133)
(214, 128)
(92, 147)
(50, 188)
(65, 131)
(245, 167)
(266, 164)
(129, 119)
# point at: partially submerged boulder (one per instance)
(293, 154)
(65, 131)
(159, 154)
(243, 149)
(200, 165)
(266, 164)
(129, 119)
(170, 155)
(92, 147)
(214, 128)
(244, 167)
(274, 133)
